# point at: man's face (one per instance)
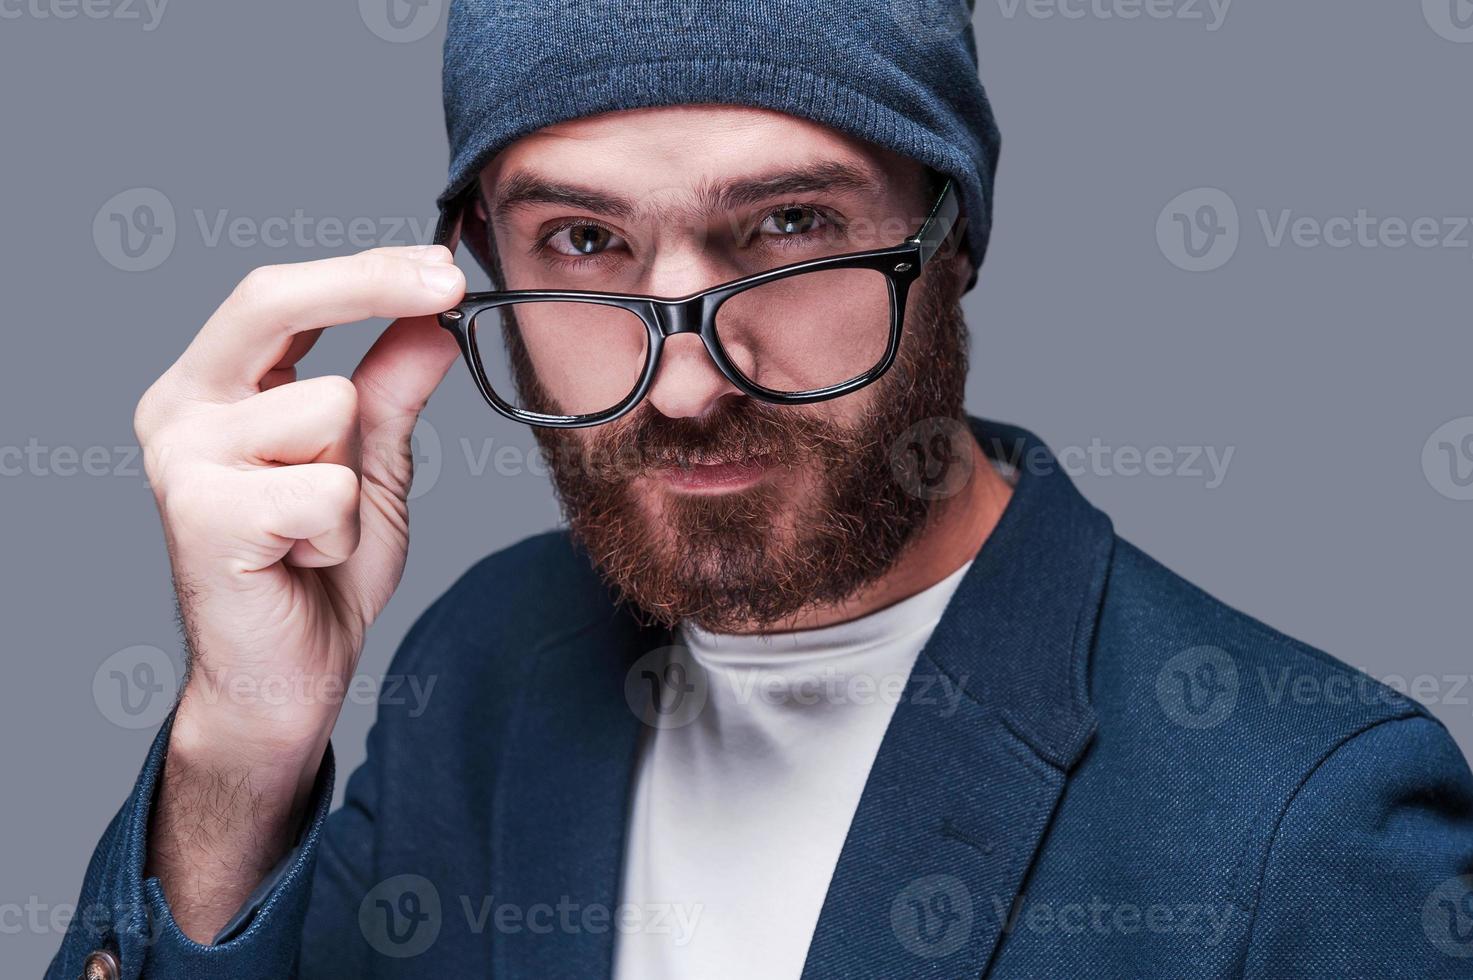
(703, 503)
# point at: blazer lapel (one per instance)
(560, 804)
(994, 718)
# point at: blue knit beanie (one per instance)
(899, 73)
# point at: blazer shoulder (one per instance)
(1207, 718)
(1228, 681)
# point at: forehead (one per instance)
(686, 151)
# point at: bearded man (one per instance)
(825, 679)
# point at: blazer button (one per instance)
(101, 965)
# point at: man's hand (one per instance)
(284, 509)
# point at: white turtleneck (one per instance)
(740, 812)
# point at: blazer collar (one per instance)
(561, 801)
(957, 800)
(1021, 624)
(962, 791)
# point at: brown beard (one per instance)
(749, 559)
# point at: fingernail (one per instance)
(440, 278)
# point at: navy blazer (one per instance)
(1131, 781)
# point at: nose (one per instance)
(687, 382)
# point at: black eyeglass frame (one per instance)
(900, 264)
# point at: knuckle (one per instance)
(377, 268)
(259, 288)
(337, 395)
(190, 501)
(290, 489)
(340, 491)
(146, 413)
(163, 435)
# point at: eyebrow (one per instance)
(524, 189)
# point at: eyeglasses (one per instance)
(792, 335)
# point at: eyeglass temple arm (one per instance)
(456, 221)
(939, 223)
(447, 227)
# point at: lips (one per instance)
(715, 476)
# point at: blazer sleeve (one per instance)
(307, 925)
(1370, 873)
(123, 914)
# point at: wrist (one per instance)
(277, 763)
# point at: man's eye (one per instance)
(791, 221)
(583, 239)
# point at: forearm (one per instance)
(223, 818)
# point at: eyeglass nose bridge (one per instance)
(680, 315)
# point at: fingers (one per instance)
(308, 511)
(266, 458)
(323, 419)
(254, 518)
(402, 369)
(253, 467)
(309, 421)
(256, 331)
(312, 502)
(394, 381)
(285, 371)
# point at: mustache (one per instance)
(736, 430)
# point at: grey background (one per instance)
(1325, 370)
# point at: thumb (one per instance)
(394, 381)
